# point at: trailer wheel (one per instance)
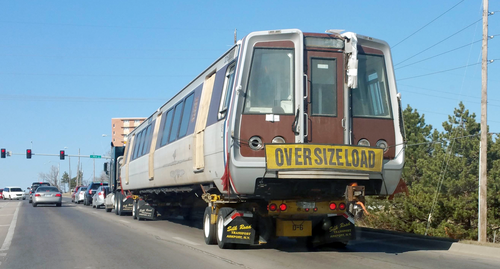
(134, 210)
(209, 232)
(119, 208)
(108, 209)
(115, 204)
(223, 213)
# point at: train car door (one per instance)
(325, 97)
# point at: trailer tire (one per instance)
(209, 231)
(108, 209)
(221, 241)
(119, 208)
(134, 210)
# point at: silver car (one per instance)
(47, 195)
(99, 196)
(80, 195)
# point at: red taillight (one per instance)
(333, 206)
(283, 207)
(90, 192)
(273, 207)
(306, 209)
(30, 192)
(315, 209)
(341, 206)
(37, 195)
(58, 195)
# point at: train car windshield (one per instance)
(371, 98)
(270, 86)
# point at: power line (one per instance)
(427, 24)
(438, 55)
(437, 72)
(76, 98)
(438, 42)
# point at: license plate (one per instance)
(281, 157)
(49, 195)
(306, 204)
(293, 228)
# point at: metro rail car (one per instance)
(286, 127)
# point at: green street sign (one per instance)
(95, 156)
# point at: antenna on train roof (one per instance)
(335, 31)
(235, 38)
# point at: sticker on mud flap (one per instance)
(309, 156)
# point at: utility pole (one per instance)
(483, 181)
(78, 181)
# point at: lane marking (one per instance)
(10, 233)
(186, 241)
(124, 221)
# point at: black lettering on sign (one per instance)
(296, 227)
(364, 162)
(307, 156)
(355, 158)
(318, 160)
(339, 158)
(278, 155)
(297, 156)
(371, 158)
(347, 163)
(288, 156)
(332, 154)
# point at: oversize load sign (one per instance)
(310, 156)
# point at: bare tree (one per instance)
(51, 176)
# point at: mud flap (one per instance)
(340, 230)
(239, 230)
(127, 205)
(145, 211)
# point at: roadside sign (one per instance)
(95, 156)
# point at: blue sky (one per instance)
(68, 67)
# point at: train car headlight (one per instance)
(278, 140)
(364, 142)
(383, 145)
(255, 143)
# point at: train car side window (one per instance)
(141, 145)
(166, 128)
(186, 112)
(226, 93)
(271, 82)
(176, 122)
(149, 137)
(137, 145)
(146, 140)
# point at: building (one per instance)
(120, 127)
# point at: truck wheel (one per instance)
(34, 204)
(108, 209)
(223, 213)
(208, 228)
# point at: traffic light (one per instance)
(61, 154)
(28, 154)
(3, 153)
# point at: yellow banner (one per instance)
(310, 156)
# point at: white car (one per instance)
(13, 193)
(80, 195)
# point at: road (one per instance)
(77, 236)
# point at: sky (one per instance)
(68, 67)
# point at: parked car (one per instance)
(47, 195)
(75, 193)
(13, 193)
(80, 195)
(87, 200)
(1, 193)
(99, 196)
(33, 188)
